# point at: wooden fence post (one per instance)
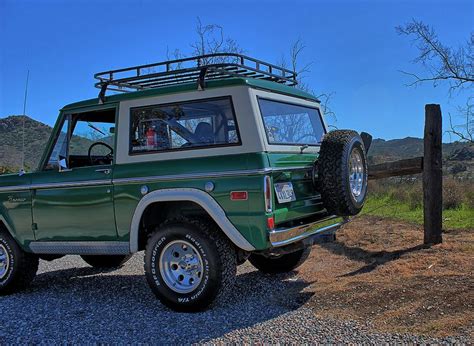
(432, 175)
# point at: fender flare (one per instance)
(4, 222)
(197, 196)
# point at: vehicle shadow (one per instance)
(373, 259)
(102, 306)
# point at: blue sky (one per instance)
(355, 50)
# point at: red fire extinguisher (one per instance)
(151, 137)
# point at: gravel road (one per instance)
(74, 303)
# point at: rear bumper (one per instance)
(284, 236)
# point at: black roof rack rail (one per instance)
(196, 68)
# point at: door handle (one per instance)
(103, 170)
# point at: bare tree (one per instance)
(211, 40)
(444, 64)
(464, 131)
(297, 48)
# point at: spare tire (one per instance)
(341, 172)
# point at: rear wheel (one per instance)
(342, 172)
(188, 266)
(280, 264)
(17, 268)
(106, 261)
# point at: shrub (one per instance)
(414, 197)
(456, 193)
(453, 193)
(469, 196)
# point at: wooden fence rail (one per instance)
(396, 168)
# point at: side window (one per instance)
(85, 139)
(183, 125)
(86, 133)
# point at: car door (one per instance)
(73, 193)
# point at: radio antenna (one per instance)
(22, 170)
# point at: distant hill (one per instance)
(36, 136)
(396, 149)
(458, 157)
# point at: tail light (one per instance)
(267, 188)
(271, 223)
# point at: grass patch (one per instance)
(385, 206)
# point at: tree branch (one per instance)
(444, 64)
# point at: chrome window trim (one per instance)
(193, 195)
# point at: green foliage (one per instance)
(404, 200)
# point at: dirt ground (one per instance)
(377, 271)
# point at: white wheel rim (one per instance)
(356, 174)
(4, 261)
(181, 266)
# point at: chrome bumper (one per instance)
(285, 236)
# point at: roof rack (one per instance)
(197, 68)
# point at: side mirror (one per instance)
(62, 164)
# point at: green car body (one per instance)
(104, 208)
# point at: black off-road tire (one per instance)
(333, 172)
(219, 263)
(22, 266)
(281, 264)
(106, 261)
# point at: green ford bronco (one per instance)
(203, 163)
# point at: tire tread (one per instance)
(27, 267)
(330, 183)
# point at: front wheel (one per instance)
(188, 266)
(17, 268)
(280, 264)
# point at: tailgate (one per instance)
(293, 172)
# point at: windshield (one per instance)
(290, 124)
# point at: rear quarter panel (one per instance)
(245, 215)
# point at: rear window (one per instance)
(181, 126)
(289, 124)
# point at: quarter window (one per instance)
(187, 125)
(290, 124)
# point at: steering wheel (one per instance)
(109, 156)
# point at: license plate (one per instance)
(285, 192)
